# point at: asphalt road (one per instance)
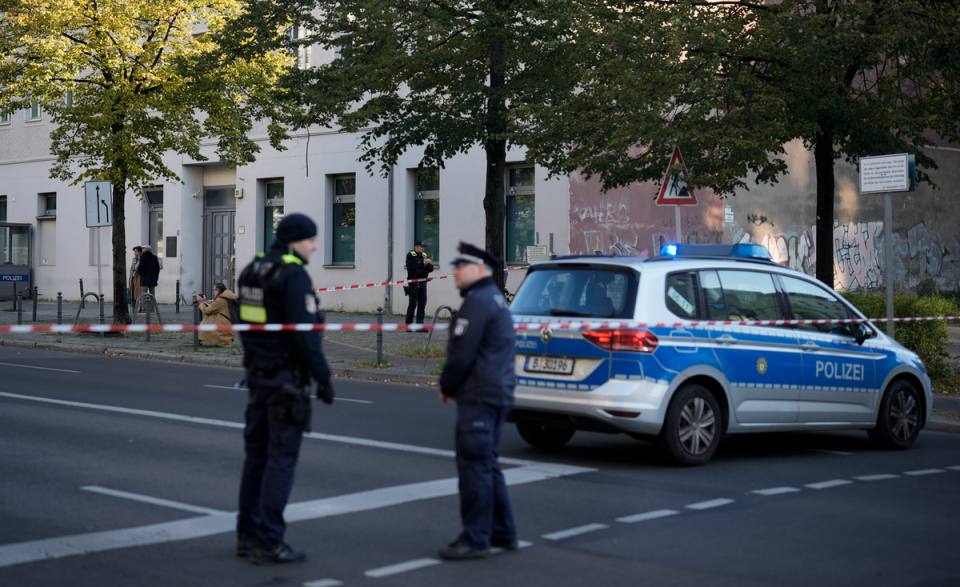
(118, 472)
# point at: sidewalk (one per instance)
(344, 350)
(350, 353)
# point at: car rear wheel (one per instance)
(898, 423)
(692, 428)
(542, 436)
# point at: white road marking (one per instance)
(775, 490)
(574, 531)
(223, 423)
(41, 368)
(339, 399)
(154, 500)
(880, 477)
(402, 567)
(957, 468)
(713, 503)
(36, 550)
(924, 472)
(828, 484)
(647, 516)
(323, 583)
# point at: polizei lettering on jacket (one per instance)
(847, 371)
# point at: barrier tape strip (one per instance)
(570, 325)
(401, 282)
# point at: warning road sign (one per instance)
(676, 189)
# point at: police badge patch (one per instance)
(461, 326)
(310, 303)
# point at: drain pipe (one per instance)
(389, 303)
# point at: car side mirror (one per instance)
(863, 332)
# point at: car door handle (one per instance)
(726, 339)
(810, 346)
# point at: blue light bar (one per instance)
(738, 251)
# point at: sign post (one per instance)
(99, 209)
(886, 174)
(676, 189)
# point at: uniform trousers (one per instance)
(418, 302)
(484, 503)
(272, 448)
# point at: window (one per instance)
(16, 244)
(48, 204)
(520, 212)
(683, 296)
(272, 212)
(811, 302)
(33, 112)
(426, 220)
(68, 99)
(716, 308)
(750, 295)
(344, 219)
(580, 292)
(3, 208)
(5, 118)
(154, 197)
(300, 52)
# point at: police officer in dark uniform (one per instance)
(479, 376)
(275, 289)
(418, 267)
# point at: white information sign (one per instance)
(99, 199)
(728, 214)
(886, 173)
(537, 253)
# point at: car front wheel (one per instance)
(542, 436)
(898, 423)
(692, 428)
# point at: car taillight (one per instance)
(635, 341)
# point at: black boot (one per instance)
(265, 554)
(246, 542)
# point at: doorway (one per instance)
(219, 238)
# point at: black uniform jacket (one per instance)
(289, 299)
(480, 350)
(416, 268)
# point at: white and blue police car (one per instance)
(685, 386)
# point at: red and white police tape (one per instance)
(401, 282)
(554, 325)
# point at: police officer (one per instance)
(479, 376)
(276, 289)
(419, 266)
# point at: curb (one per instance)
(369, 374)
(938, 424)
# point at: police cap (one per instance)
(419, 244)
(468, 253)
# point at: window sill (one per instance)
(47, 217)
(339, 266)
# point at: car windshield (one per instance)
(581, 291)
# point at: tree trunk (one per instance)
(120, 277)
(495, 146)
(823, 156)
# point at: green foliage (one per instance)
(927, 339)
(439, 368)
(730, 84)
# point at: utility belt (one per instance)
(294, 407)
(265, 366)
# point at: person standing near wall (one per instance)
(419, 266)
(134, 278)
(479, 375)
(148, 269)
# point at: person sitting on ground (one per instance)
(217, 312)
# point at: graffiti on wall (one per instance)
(858, 263)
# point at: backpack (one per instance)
(234, 307)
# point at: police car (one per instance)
(683, 387)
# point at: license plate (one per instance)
(549, 365)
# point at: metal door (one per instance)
(219, 249)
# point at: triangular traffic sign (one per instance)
(676, 191)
